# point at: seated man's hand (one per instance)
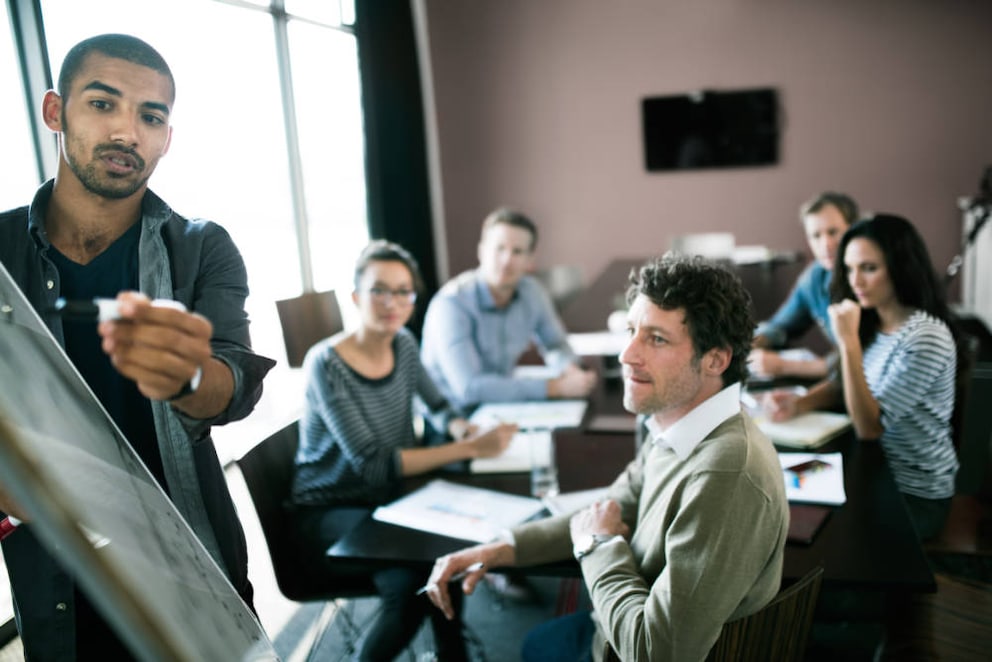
(765, 362)
(158, 344)
(602, 517)
(448, 568)
(574, 382)
(493, 442)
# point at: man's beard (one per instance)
(104, 184)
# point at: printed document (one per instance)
(545, 415)
(813, 477)
(459, 511)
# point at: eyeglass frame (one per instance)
(382, 295)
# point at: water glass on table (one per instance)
(543, 472)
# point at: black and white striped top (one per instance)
(911, 374)
(353, 427)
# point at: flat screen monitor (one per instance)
(711, 129)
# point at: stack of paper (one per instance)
(517, 456)
(813, 478)
(459, 511)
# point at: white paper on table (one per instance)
(517, 456)
(598, 343)
(809, 430)
(543, 372)
(459, 511)
(824, 486)
(545, 415)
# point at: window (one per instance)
(17, 170)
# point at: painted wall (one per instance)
(538, 106)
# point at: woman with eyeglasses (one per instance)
(898, 358)
(357, 440)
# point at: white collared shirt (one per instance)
(685, 434)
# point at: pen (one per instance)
(455, 577)
(97, 310)
(8, 525)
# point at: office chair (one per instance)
(778, 631)
(268, 473)
(306, 320)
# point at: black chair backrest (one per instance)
(301, 575)
(268, 473)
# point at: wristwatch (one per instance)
(588, 543)
(190, 386)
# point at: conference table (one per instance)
(868, 543)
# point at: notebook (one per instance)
(809, 430)
(805, 521)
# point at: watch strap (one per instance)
(190, 386)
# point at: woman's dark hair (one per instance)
(717, 307)
(380, 250)
(907, 261)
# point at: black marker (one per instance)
(97, 310)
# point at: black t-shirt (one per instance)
(112, 271)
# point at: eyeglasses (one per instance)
(382, 295)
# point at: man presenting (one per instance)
(692, 533)
(480, 323)
(165, 373)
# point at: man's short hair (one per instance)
(717, 307)
(380, 250)
(845, 204)
(118, 46)
(507, 216)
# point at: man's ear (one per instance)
(717, 360)
(354, 297)
(51, 110)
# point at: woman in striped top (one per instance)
(357, 439)
(898, 362)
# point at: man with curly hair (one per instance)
(692, 533)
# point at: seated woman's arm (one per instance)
(866, 415)
(415, 461)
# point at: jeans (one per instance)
(401, 611)
(563, 639)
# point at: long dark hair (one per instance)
(908, 263)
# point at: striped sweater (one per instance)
(911, 374)
(354, 427)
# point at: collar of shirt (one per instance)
(685, 434)
(486, 301)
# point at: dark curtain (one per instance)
(396, 152)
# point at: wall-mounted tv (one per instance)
(711, 129)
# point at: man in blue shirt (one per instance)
(825, 219)
(165, 373)
(481, 322)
